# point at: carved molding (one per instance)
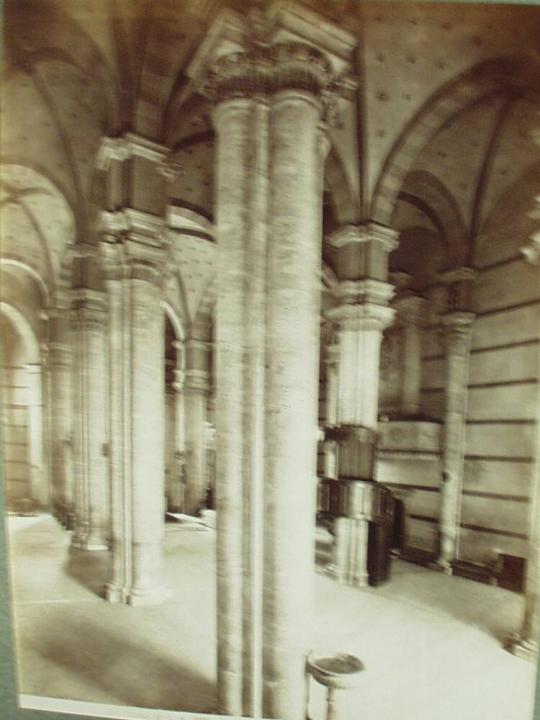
(363, 317)
(126, 146)
(386, 237)
(357, 292)
(457, 330)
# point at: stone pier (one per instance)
(91, 499)
(361, 314)
(271, 145)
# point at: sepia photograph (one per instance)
(269, 360)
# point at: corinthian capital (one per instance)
(286, 47)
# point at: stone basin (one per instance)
(337, 671)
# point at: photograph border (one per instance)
(8, 681)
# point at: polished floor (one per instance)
(430, 643)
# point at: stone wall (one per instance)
(503, 403)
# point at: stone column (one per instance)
(178, 482)
(91, 488)
(60, 374)
(361, 314)
(196, 391)
(457, 329)
(268, 83)
(38, 475)
(134, 272)
(299, 148)
(410, 313)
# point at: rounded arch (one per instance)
(23, 328)
(484, 79)
(174, 319)
(441, 207)
(25, 265)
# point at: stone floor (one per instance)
(430, 643)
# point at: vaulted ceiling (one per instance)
(435, 140)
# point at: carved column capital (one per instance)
(457, 330)
(88, 309)
(358, 292)
(367, 316)
(460, 283)
(381, 235)
(260, 53)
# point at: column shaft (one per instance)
(36, 417)
(137, 434)
(233, 124)
(458, 328)
(195, 401)
(294, 260)
(61, 430)
(91, 489)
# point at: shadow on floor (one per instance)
(133, 674)
(91, 569)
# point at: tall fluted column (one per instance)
(91, 488)
(134, 272)
(410, 310)
(457, 329)
(299, 148)
(60, 378)
(269, 175)
(196, 391)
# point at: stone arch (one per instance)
(27, 267)
(24, 328)
(484, 79)
(174, 319)
(443, 209)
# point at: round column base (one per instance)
(441, 565)
(131, 596)
(523, 648)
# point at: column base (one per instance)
(134, 597)
(441, 566)
(523, 648)
(88, 544)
